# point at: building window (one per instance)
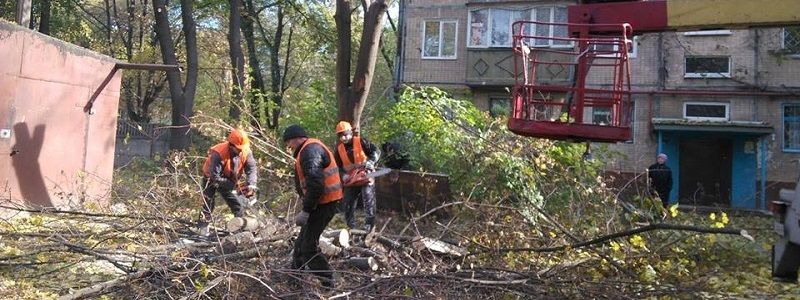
(707, 32)
(632, 48)
(439, 39)
(791, 40)
(706, 111)
(601, 115)
(708, 67)
(491, 27)
(499, 106)
(791, 127)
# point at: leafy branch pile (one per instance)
(529, 218)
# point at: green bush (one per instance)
(483, 158)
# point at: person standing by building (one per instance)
(354, 152)
(318, 184)
(660, 177)
(225, 164)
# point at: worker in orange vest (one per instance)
(354, 152)
(225, 164)
(318, 184)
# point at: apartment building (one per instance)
(724, 105)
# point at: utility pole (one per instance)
(24, 13)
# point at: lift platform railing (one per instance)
(571, 87)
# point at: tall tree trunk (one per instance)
(351, 97)
(237, 56)
(24, 12)
(343, 49)
(182, 97)
(252, 57)
(275, 70)
(109, 29)
(44, 21)
(192, 58)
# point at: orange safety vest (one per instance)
(333, 185)
(359, 156)
(227, 163)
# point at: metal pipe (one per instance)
(149, 67)
(127, 66)
(763, 182)
(711, 93)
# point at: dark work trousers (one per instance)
(664, 195)
(208, 198)
(351, 195)
(306, 247)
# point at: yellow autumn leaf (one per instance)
(713, 216)
(673, 210)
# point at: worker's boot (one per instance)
(202, 228)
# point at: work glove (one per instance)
(370, 165)
(250, 191)
(345, 177)
(301, 218)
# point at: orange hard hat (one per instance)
(343, 126)
(238, 138)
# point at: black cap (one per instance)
(293, 131)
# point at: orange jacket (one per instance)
(359, 157)
(332, 184)
(223, 150)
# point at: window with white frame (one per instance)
(439, 39)
(791, 40)
(632, 48)
(708, 32)
(706, 111)
(491, 27)
(791, 127)
(602, 116)
(707, 67)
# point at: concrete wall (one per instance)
(54, 154)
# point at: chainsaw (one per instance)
(360, 177)
(248, 195)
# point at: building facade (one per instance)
(724, 105)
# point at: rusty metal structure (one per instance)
(58, 117)
(561, 109)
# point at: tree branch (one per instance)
(651, 227)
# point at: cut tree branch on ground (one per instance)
(651, 227)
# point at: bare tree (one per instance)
(182, 96)
(257, 84)
(237, 55)
(352, 95)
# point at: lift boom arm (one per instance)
(687, 15)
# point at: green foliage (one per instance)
(482, 157)
(314, 109)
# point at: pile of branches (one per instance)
(156, 255)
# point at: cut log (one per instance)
(344, 238)
(380, 238)
(363, 263)
(237, 242)
(327, 247)
(242, 224)
(422, 243)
